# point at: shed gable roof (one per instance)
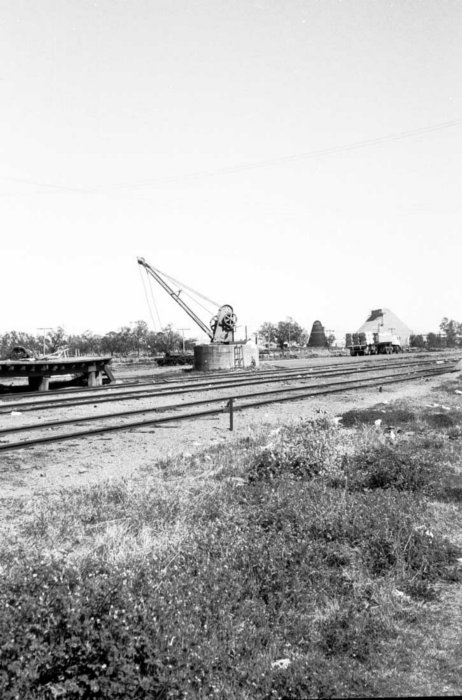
(386, 320)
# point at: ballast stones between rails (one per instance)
(236, 375)
(242, 402)
(205, 385)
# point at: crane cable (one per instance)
(149, 303)
(196, 301)
(147, 300)
(182, 287)
(181, 290)
(153, 299)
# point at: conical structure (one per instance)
(317, 336)
(384, 320)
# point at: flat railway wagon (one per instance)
(368, 343)
(38, 372)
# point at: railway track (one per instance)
(191, 377)
(339, 361)
(214, 405)
(200, 384)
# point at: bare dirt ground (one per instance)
(29, 471)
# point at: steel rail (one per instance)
(344, 360)
(209, 376)
(304, 393)
(198, 376)
(34, 406)
(228, 377)
(374, 360)
(170, 407)
(204, 385)
(220, 376)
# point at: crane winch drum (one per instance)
(223, 325)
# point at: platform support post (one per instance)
(44, 384)
(95, 377)
(39, 383)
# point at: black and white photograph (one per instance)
(230, 349)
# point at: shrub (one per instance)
(439, 420)
(390, 414)
(298, 451)
(422, 465)
(388, 466)
(73, 633)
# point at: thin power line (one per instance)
(306, 155)
(242, 167)
(47, 185)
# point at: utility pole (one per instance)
(44, 339)
(183, 330)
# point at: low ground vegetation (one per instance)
(290, 564)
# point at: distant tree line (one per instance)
(289, 332)
(128, 340)
(450, 336)
(137, 339)
(283, 333)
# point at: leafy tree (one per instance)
(56, 338)
(432, 340)
(169, 340)
(435, 340)
(127, 340)
(120, 342)
(86, 344)
(140, 334)
(289, 332)
(110, 342)
(10, 339)
(268, 331)
(330, 340)
(416, 341)
(453, 332)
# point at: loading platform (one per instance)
(39, 372)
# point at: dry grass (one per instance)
(292, 545)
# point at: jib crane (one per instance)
(222, 325)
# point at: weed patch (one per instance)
(389, 466)
(440, 420)
(198, 581)
(424, 465)
(297, 451)
(389, 414)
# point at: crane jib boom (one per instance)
(176, 297)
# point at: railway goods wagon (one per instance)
(369, 343)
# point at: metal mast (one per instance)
(176, 297)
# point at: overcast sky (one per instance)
(288, 157)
